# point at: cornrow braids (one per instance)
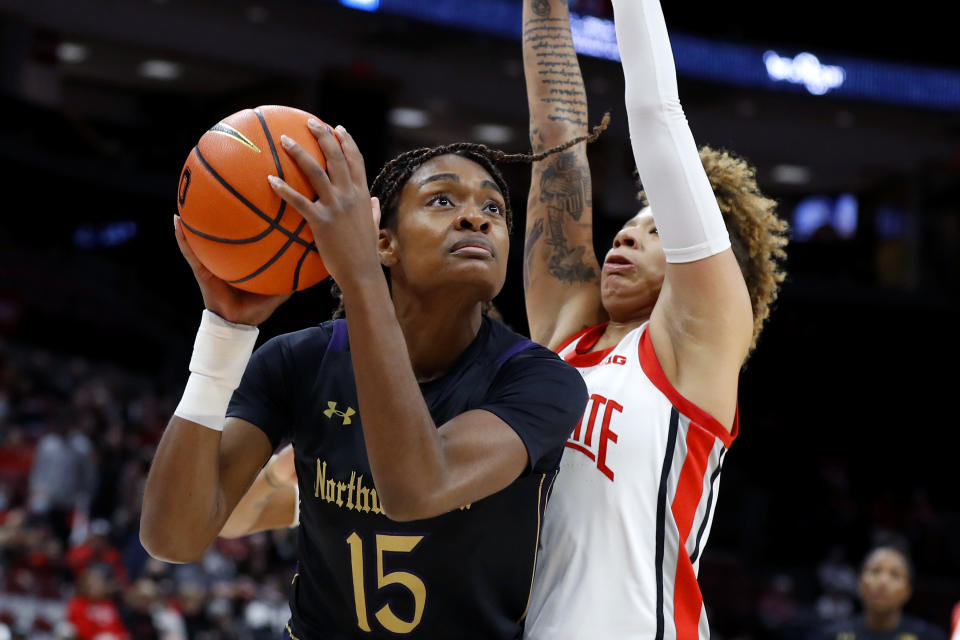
(389, 183)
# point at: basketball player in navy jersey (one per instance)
(659, 332)
(425, 435)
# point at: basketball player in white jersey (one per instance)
(659, 332)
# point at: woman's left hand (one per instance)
(344, 218)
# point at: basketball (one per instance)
(238, 227)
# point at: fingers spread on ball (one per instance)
(330, 146)
(293, 197)
(308, 165)
(352, 155)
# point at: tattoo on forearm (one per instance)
(541, 7)
(532, 236)
(565, 190)
(551, 45)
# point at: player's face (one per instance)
(451, 230)
(885, 581)
(633, 269)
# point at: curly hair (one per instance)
(757, 234)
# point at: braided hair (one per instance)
(389, 183)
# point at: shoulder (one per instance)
(836, 629)
(922, 629)
(513, 350)
(297, 345)
(528, 367)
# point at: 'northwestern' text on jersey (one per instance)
(464, 574)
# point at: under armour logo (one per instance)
(343, 414)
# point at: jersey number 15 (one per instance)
(385, 615)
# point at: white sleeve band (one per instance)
(220, 355)
(682, 201)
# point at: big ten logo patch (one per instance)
(583, 438)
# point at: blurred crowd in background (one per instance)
(76, 439)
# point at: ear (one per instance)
(387, 248)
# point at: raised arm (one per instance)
(199, 472)
(702, 323)
(561, 275)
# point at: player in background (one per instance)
(425, 435)
(886, 584)
(659, 332)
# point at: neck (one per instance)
(882, 620)
(619, 327)
(437, 330)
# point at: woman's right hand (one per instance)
(230, 303)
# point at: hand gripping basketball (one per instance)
(230, 303)
(344, 218)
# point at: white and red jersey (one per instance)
(631, 508)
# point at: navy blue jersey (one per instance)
(909, 628)
(464, 574)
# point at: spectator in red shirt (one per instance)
(97, 550)
(91, 611)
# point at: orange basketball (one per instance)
(240, 229)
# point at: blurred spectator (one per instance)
(97, 550)
(886, 580)
(92, 612)
(778, 609)
(139, 610)
(838, 580)
(63, 477)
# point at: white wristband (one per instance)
(220, 355)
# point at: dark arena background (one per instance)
(848, 429)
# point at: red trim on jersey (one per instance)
(690, 485)
(955, 627)
(687, 599)
(581, 356)
(566, 343)
(651, 366)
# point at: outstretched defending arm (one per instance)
(561, 275)
(702, 323)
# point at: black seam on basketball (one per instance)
(273, 222)
(296, 273)
(275, 257)
(197, 232)
(273, 148)
(276, 160)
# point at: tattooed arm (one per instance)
(561, 275)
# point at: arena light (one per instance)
(712, 60)
(492, 133)
(71, 52)
(804, 69)
(594, 36)
(408, 118)
(790, 174)
(363, 5)
(160, 70)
